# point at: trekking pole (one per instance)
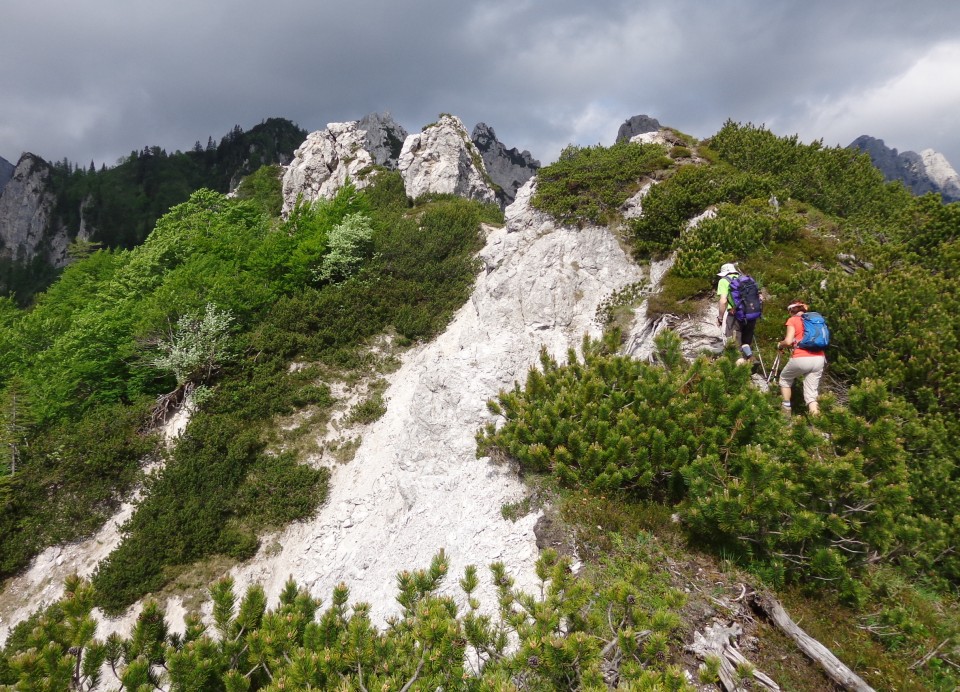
(773, 368)
(763, 370)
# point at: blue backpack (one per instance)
(745, 295)
(816, 333)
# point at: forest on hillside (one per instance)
(855, 509)
(120, 204)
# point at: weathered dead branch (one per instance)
(817, 652)
(721, 641)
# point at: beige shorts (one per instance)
(810, 368)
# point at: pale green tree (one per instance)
(349, 244)
(197, 346)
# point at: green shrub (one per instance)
(349, 245)
(387, 192)
(292, 256)
(836, 180)
(551, 640)
(612, 424)
(735, 233)
(271, 478)
(698, 435)
(367, 411)
(588, 185)
(668, 207)
(264, 187)
(677, 296)
(72, 477)
(197, 346)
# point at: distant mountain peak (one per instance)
(928, 171)
(508, 168)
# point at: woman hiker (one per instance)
(803, 363)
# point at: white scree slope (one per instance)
(415, 486)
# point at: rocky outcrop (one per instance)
(942, 174)
(322, 164)
(27, 225)
(637, 125)
(443, 159)
(385, 138)
(920, 173)
(662, 137)
(6, 172)
(440, 159)
(508, 168)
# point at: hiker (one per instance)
(738, 309)
(807, 361)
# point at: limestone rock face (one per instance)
(921, 173)
(322, 164)
(27, 227)
(508, 168)
(384, 138)
(942, 174)
(6, 172)
(656, 137)
(443, 159)
(637, 125)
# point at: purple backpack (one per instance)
(745, 295)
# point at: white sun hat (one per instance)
(728, 268)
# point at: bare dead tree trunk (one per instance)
(817, 652)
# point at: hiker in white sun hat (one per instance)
(738, 308)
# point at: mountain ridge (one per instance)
(928, 171)
(636, 414)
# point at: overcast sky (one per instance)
(96, 79)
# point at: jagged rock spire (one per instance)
(921, 173)
(28, 227)
(443, 159)
(385, 138)
(508, 168)
(637, 125)
(322, 164)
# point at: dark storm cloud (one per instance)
(98, 80)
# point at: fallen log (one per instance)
(817, 652)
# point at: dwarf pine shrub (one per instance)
(588, 185)
(557, 636)
(669, 206)
(736, 231)
(699, 436)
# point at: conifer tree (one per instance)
(15, 422)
